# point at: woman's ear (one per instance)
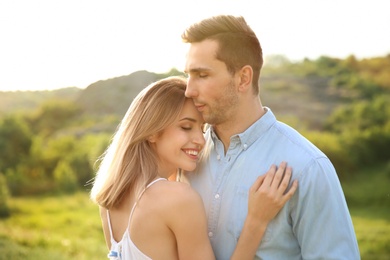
(246, 75)
(152, 138)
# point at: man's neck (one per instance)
(237, 125)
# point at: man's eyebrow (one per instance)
(200, 69)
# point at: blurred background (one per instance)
(70, 69)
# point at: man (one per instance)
(223, 66)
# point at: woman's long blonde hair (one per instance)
(130, 162)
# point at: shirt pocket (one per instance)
(238, 213)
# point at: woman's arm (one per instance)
(187, 220)
(266, 197)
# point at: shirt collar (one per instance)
(252, 133)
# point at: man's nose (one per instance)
(191, 91)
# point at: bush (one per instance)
(65, 177)
(27, 180)
(331, 145)
(4, 209)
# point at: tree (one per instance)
(364, 128)
(15, 142)
(53, 116)
(65, 177)
(4, 209)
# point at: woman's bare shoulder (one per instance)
(175, 194)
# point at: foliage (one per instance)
(23, 101)
(375, 69)
(57, 164)
(361, 115)
(25, 180)
(15, 142)
(53, 116)
(52, 227)
(4, 208)
(340, 105)
(65, 177)
(372, 230)
(369, 187)
(368, 198)
(350, 77)
(364, 128)
(69, 227)
(332, 145)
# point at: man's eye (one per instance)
(186, 128)
(202, 75)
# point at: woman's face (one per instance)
(179, 145)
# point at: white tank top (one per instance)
(125, 249)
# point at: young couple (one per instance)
(230, 209)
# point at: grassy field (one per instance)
(368, 196)
(68, 227)
(61, 227)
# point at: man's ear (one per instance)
(245, 77)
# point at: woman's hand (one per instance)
(266, 197)
(268, 194)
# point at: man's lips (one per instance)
(199, 107)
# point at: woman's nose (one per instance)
(199, 139)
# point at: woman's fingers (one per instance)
(257, 184)
(281, 190)
(270, 192)
(277, 181)
(291, 191)
(278, 177)
(285, 180)
(269, 176)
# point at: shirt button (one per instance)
(218, 157)
(245, 146)
(211, 234)
(216, 196)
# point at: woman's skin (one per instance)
(169, 221)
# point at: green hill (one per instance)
(16, 101)
(290, 97)
(113, 96)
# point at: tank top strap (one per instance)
(109, 226)
(153, 182)
(139, 197)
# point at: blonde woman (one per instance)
(146, 216)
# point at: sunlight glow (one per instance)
(54, 44)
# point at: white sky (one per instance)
(50, 44)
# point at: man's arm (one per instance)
(321, 219)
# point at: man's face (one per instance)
(210, 84)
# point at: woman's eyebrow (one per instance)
(188, 118)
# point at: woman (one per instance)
(144, 215)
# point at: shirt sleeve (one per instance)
(320, 217)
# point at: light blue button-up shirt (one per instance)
(314, 224)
